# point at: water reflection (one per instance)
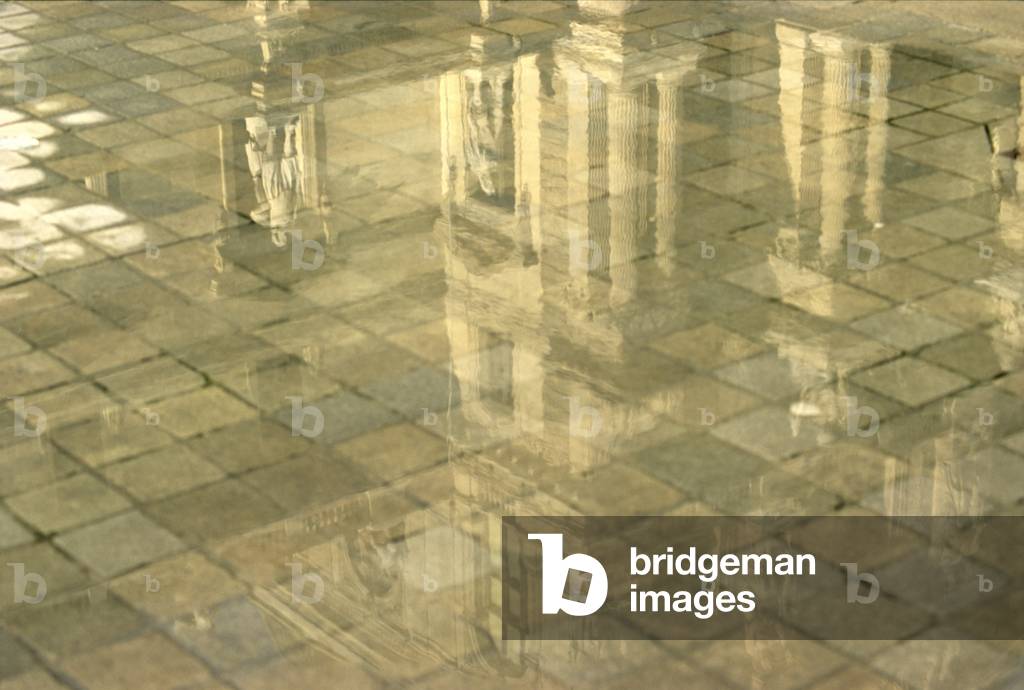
(599, 267)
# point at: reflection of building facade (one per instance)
(845, 166)
(826, 178)
(397, 588)
(558, 174)
(543, 232)
(539, 250)
(545, 213)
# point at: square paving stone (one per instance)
(75, 623)
(120, 543)
(773, 433)
(910, 381)
(906, 328)
(178, 585)
(67, 503)
(345, 415)
(149, 662)
(200, 411)
(215, 511)
(162, 473)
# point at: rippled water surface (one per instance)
(300, 298)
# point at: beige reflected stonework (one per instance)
(519, 258)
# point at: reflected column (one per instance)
(626, 113)
(836, 176)
(792, 60)
(878, 114)
(583, 246)
(667, 195)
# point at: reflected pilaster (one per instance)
(878, 133)
(667, 204)
(792, 79)
(838, 89)
(626, 196)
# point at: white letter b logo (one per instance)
(555, 573)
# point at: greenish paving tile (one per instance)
(75, 623)
(215, 511)
(67, 503)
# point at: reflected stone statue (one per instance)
(276, 168)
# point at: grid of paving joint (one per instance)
(297, 299)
